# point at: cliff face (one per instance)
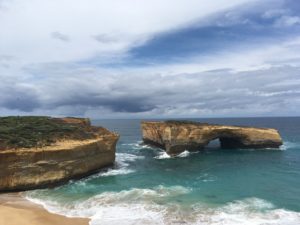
(176, 137)
(59, 161)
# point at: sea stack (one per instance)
(178, 136)
(40, 152)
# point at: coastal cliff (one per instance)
(42, 151)
(178, 136)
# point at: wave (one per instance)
(137, 145)
(133, 206)
(164, 155)
(114, 172)
(289, 145)
(161, 153)
(151, 206)
(140, 145)
(183, 154)
(120, 167)
(251, 211)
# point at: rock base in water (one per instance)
(178, 136)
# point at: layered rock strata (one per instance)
(178, 136)
(68, 157)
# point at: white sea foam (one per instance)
(137, 145)
(164, 155)
(184, 154)
(288, 145)
(133, 206)
(252, 211)
(124, 158)
(120, 167)
(114, 172)
(139, 206)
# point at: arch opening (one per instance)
(225, 142)
(213, 144)
(230, 142)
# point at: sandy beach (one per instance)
(16, 210)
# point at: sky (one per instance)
(150, 58)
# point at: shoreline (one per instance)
(16, 210)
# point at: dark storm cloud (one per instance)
(129, 104)
(23, 102)
(219, 92)
(19, 98)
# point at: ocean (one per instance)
(213, 186)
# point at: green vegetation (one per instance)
(37, 131)
(187, 122)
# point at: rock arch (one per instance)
(178, 136)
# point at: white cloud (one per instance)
(287, 21)
(26, 25)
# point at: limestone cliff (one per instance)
(78, 151)
(178, 136)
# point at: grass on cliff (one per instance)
(37, 131)
(185, 122)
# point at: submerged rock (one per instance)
(178, 136)
(40, 152)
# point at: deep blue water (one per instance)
(213, 186)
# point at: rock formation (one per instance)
(73, 149)
(178, 136)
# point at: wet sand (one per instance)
(16, 210)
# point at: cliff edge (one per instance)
(178, 136)
(40, 152)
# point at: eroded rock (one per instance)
(76, 153)
(178, 136)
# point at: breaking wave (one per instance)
(147, 206)
(289, 145)
(137, 145)
(164, 155)
(121, 166)
(133, 206)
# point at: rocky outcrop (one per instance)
(178, 136)
(64, 159)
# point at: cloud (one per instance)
(3, 4)
(274, 13)
(59, 36)
(287, 21)
(157, 59)
(106, 38)
(272, 91)
(29, 23)
(17, 96)
(253, 24)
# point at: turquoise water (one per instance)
(214, 186)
